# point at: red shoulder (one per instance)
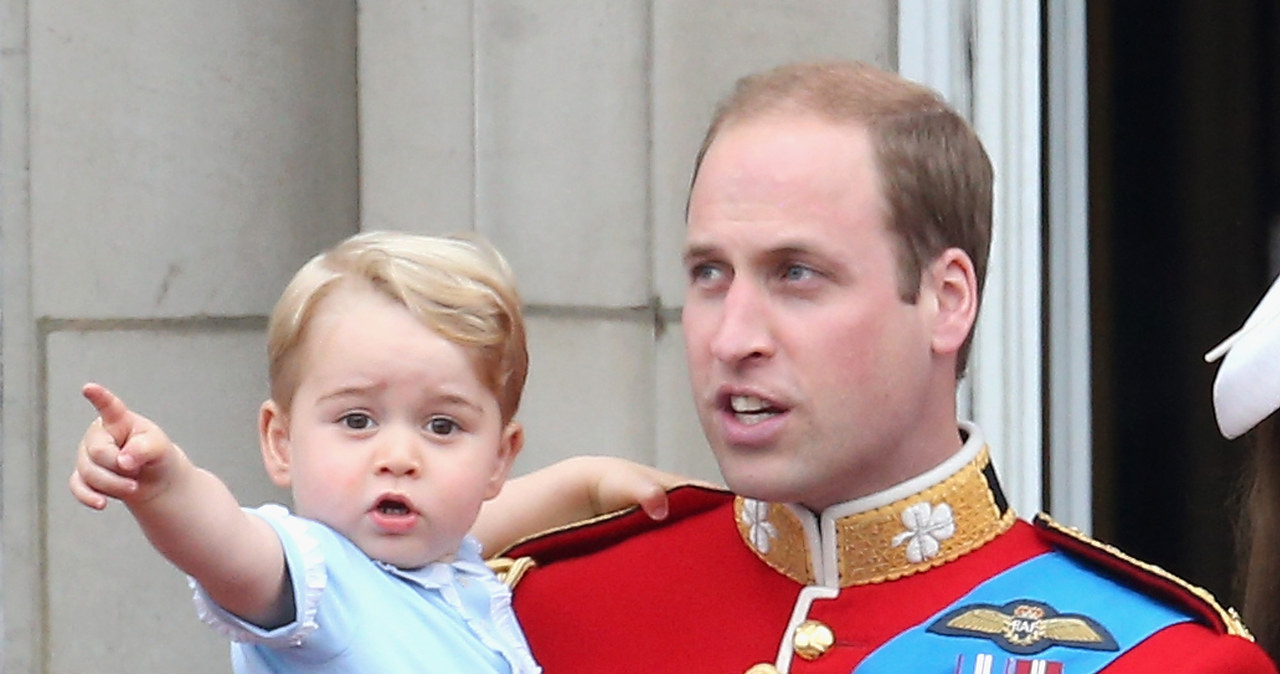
(1147, 578)
(1192, 647)
(597, 533)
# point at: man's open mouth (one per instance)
(751, 410)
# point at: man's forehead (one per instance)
(771, 159)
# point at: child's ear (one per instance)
(508, 448)
(273, 436)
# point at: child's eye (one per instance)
(356, 421)
(442, 426)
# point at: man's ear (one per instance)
(954, 286)
(508, 449)
(273, 437)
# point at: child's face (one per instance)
(393, 440)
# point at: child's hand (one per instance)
(570, 491)
(123, 455)
(615, 483)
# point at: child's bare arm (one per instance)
(186, 512)
(569, 491)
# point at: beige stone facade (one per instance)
(164, 168)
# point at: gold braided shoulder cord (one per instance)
(1235, 626)
(580, 524)
(509, 570)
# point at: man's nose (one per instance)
(744, 331)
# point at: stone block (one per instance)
(562, 146)
(114, 604)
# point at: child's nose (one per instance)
(398, 455)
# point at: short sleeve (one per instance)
(305, 562)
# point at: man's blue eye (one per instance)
(703, 273)
(797, 272)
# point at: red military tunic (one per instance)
(728, 585)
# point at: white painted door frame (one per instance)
(985, 57)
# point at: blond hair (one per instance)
(937, 178)
(458, 286)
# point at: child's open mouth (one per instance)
(392, 506)
(394, 514)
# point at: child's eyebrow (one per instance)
(435, 397)
(460, 400)
(350, 391)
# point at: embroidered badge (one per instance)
(755, 515)
(927, 527)
(1025, 627)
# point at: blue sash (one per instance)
(1051, 585)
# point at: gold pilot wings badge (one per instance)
(1025, 627)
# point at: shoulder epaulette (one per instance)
(1151, 578)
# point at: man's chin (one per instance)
(756, 479)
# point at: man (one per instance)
(838, 227)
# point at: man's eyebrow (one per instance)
(783, 249)
(794, 250)
(697, 251)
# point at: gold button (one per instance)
(762, 668)
(812, 639)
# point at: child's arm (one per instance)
(186, 512)
(569, 491)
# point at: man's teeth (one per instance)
(750, 410)
(746, 404)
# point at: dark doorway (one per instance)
(1185, 184)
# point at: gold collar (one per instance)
(927, 529)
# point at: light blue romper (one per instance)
(355, 614)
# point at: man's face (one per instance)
(812, 377)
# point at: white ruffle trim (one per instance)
(504, 620)
(501, 633)
(315, 580)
